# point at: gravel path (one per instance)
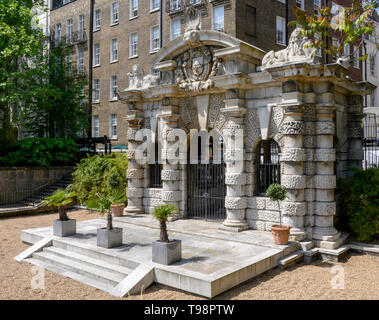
(299, 282)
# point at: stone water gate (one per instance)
(300, 122)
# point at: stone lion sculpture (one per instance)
(299, 49)
(138, 79)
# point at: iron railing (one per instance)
(370, 142)
(155, 175)
(268, 165)
(206, 191)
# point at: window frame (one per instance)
(113, 125)
(96, 126)
(171, 28)
(96, 54)
(131, 11)
(115, 21)
(152, 39)
(112, 60)
(113, 97)
(214, 20)
(69, 31)
(283, 20)
(130, 45)
(151, 5)
(96, 19)
(96, 91)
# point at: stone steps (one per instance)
(102, 254)
(291, 259)
(108, 278)
(67, 273)
(77, 257)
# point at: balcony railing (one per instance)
(174, 6)
(77, 37)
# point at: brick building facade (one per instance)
(129, 32)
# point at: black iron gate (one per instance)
(370, 142)
(206, 191)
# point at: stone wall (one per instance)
(18, 183)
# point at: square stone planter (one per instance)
(64, 228)
(167, 253)
(109, 238)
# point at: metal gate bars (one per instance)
(206, 191)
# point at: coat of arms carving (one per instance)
(196, 67)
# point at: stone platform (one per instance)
(213, 260)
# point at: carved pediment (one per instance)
(196, 67)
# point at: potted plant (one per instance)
(60, 199)
(277, 192)
(107, 237)
(118, 203)
(165, 251)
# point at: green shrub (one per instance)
(359, 197)
(41, 152)
(99, 175)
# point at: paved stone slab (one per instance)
(38, 246)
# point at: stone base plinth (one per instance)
(109, 238)
(167, 253)
(64, 228)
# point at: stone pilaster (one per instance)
(235, 176)
(355, 131)
(292, 160)
(171, 173)
(325, 179)
(135, 171)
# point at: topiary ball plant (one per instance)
(276, 192)
(161, 213)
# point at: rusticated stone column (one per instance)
(292, 160)
(325, 179)
(355, 131)
(171, 173)
(235, 177)
(135, 172)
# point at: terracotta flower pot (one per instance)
(118, 209)
(280, 234)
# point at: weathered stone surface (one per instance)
(293, 154)
(293, 208)
(323, 221)
(325, 127)
(325, 182)
(235, 178)
(292, 127)
(262, 215)
(256, 202)
(171, 175)
(325, 208)
(152, 202)
(294, 181)
(152, 193)
(134, 192)
(235, 202)
(325, 155)
(271, 205)
(130, 154)
(134, 173)
(171, 195)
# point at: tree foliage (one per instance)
(360, 202)
(60, 199)
(349, 25)
(37, 92)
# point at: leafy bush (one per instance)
(41, 152)
(60, 199)
(360, 202)
(99, 175)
